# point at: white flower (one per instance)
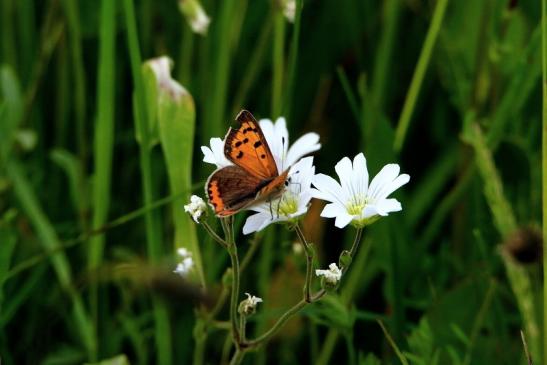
(291, 204)
(277, 136)
(296, 197)
(353, 200)
(332, 275)
(195, 15)
(187, 263)
(196, 207)
(161, 66)
(289, 9)
(248, 306)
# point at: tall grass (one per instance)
(93, 180)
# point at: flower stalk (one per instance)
(309, 262)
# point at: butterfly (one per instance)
(254, 178)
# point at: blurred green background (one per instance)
(89, 221)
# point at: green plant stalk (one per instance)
(544, 168)
(48, 237)
(186, 56)
(293, 61)
(353, 281)
(393, 345)
(309, 263)
(350, 95)
(9, 55)
(153, 239)
(72, 14)
(506, 224)
(214, 118)
(30, 262)
(176, 119)
(228, 226)
(278, 62)
(104, 141)
(419, 74)
(254, 66)
(384, 53)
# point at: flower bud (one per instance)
(331, 277)
(247, 307)
(196, 207)
(195, 15)
(345, 259)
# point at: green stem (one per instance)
(544, 170)
(153, 238)
(214, 235)
(419, 73)
(356, 242)
(292, 67)
(278, 62)
(227, 224)
(309, 263)
(238, 357)
(104, 141)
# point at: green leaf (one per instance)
(332, 312)
(116, 360)
(11, 109)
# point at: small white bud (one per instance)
(161, 66)
(187, 263)
(196, 207)
(332, 275)
(195, 15)
(248, 306)
(289, 9)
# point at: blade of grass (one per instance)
(419, 74)
(48, 237)
(153, 238)
(103, 141)
(278, 61)
(384, 53)
(544, 168)
(213, 124)
(177, 119)
(293, 61)
(393, 345)
(75, 37)
(506, 224)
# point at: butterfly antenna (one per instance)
(283, 156)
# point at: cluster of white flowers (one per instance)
(352, 200)
(332, 275)
(186, 264)
(196, 207)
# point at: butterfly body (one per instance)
(253, 179)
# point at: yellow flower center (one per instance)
(356, 204)
(288, 205)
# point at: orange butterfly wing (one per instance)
(246, 146)
(255, 176)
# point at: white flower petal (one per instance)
(386, 175)
(344, 171)
(386, 206)
(332, 210)
(360, 173)
(343, 220)
(370, 211)
(257, 222)
(304, 145)
(394, 185)
(328, 189)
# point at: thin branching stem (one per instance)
(309, 263)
